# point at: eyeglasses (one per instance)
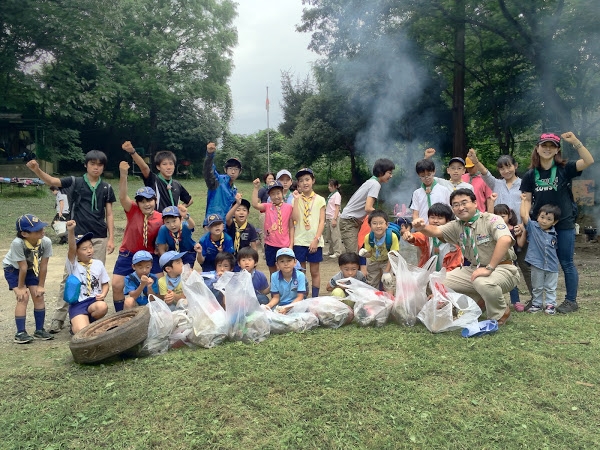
(462, 204)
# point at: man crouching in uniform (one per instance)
(487, 243)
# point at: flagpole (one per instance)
(268, 137)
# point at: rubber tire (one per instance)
(110, 335)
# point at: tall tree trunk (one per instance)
(459, 144)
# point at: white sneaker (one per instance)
(335, 255)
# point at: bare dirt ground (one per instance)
(587, 258)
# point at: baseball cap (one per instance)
(274, 184)
(468, 162)
(285, 252)
(458, 159)
(400, 221)
(233, 162)
(305, 171)
(83, 237)
(145, 192)
(549, 137)
(171, 211)
(283, 172)
(140, 256)
(30, 223)
(244, 203)
(212, 219)
(170, 256)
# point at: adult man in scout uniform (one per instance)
(487, 243)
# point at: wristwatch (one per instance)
(490, 268)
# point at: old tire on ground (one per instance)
(110, 335)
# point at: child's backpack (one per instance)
(392, 228)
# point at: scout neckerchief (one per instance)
(172, 283)
(279, 224)
(378, 243)
(145, 231)
(176, 237)
(93, 189)
(308, 204)
(169, 184)
(88, 275)
(35, 249)
(436, 242)
(285, 197)
(219, 245)
(474, 176)
(469, 236)
(549, 184)
(238, 235)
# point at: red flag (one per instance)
(267, 103)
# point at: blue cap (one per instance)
(457, 159)
(305, 171)
(146, 192)
(212, 219)
(83, 237)
(30, 223)
(171, 211)
(274, 184)
(140, 256)
(244, 203)
(170, 256)
(285, 252)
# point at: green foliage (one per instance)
(148, 70)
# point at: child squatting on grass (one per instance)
(25, 269)
(141, 283)
(93, 277)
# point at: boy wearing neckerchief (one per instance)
(170, 288)
(168, 191)
(213, 242)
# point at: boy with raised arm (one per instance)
(91, 208)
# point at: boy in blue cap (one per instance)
(25, 268)
(176, 234)
(141, 283)
(288, 284)
(170, 288)
(241, 231)
(213, 242)
(221, 188)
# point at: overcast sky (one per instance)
(268, 44)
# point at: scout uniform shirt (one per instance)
(486, 231)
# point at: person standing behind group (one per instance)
(508, 192)
(221, 188)
(482, 191)
(549, 180)
(332, 213)
(362, 203)
(92, 201)
(263, 196)
(168, 191)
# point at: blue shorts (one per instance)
(123, 265)
(80, 308)
(270, 254)
(303, 255)
(12, 277)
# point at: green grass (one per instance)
(534, 384)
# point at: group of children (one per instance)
(158, 238)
